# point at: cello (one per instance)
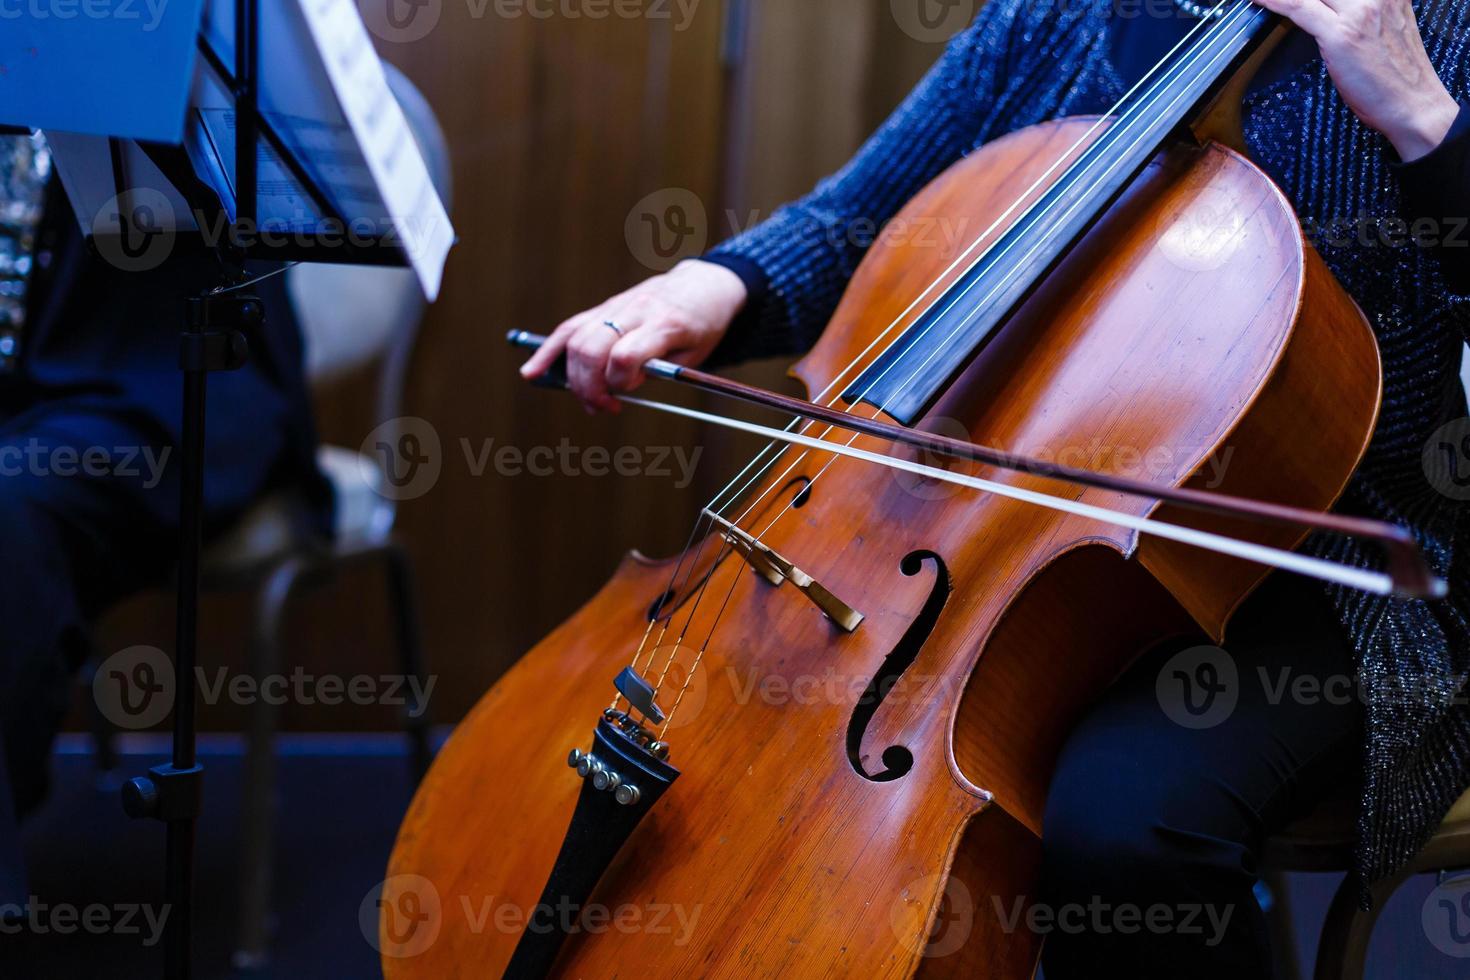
(819, 740)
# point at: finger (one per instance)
(553, 347)
(587, 353)
(626, 359)
(1312, 16)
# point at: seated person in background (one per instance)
(90, 418)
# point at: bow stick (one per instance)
(1407, 574)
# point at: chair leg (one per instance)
(1342, 949)
(258, 809)
(104, 733)
(404, 600)
(1279, 925)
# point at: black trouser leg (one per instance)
(1165, 792)
(71, 539)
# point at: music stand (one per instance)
(215, 338)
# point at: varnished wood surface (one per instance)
(1156, 339)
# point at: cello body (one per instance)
(869, 803)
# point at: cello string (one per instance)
(1119, 123)
(1221, 26)
(858, 359)
(917, 372)
(1037, 184)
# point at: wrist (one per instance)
(1424, 129)
(721, 285)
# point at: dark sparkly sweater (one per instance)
(1022, 63)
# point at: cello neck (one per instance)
(910, 374)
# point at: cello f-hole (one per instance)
(897, 759)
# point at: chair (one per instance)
(349, 316)
(1323, 841)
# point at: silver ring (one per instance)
(613, 326)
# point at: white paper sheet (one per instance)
(383, 134)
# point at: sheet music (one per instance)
(324, 91)
(383, 134)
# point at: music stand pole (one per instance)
(214, 340)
